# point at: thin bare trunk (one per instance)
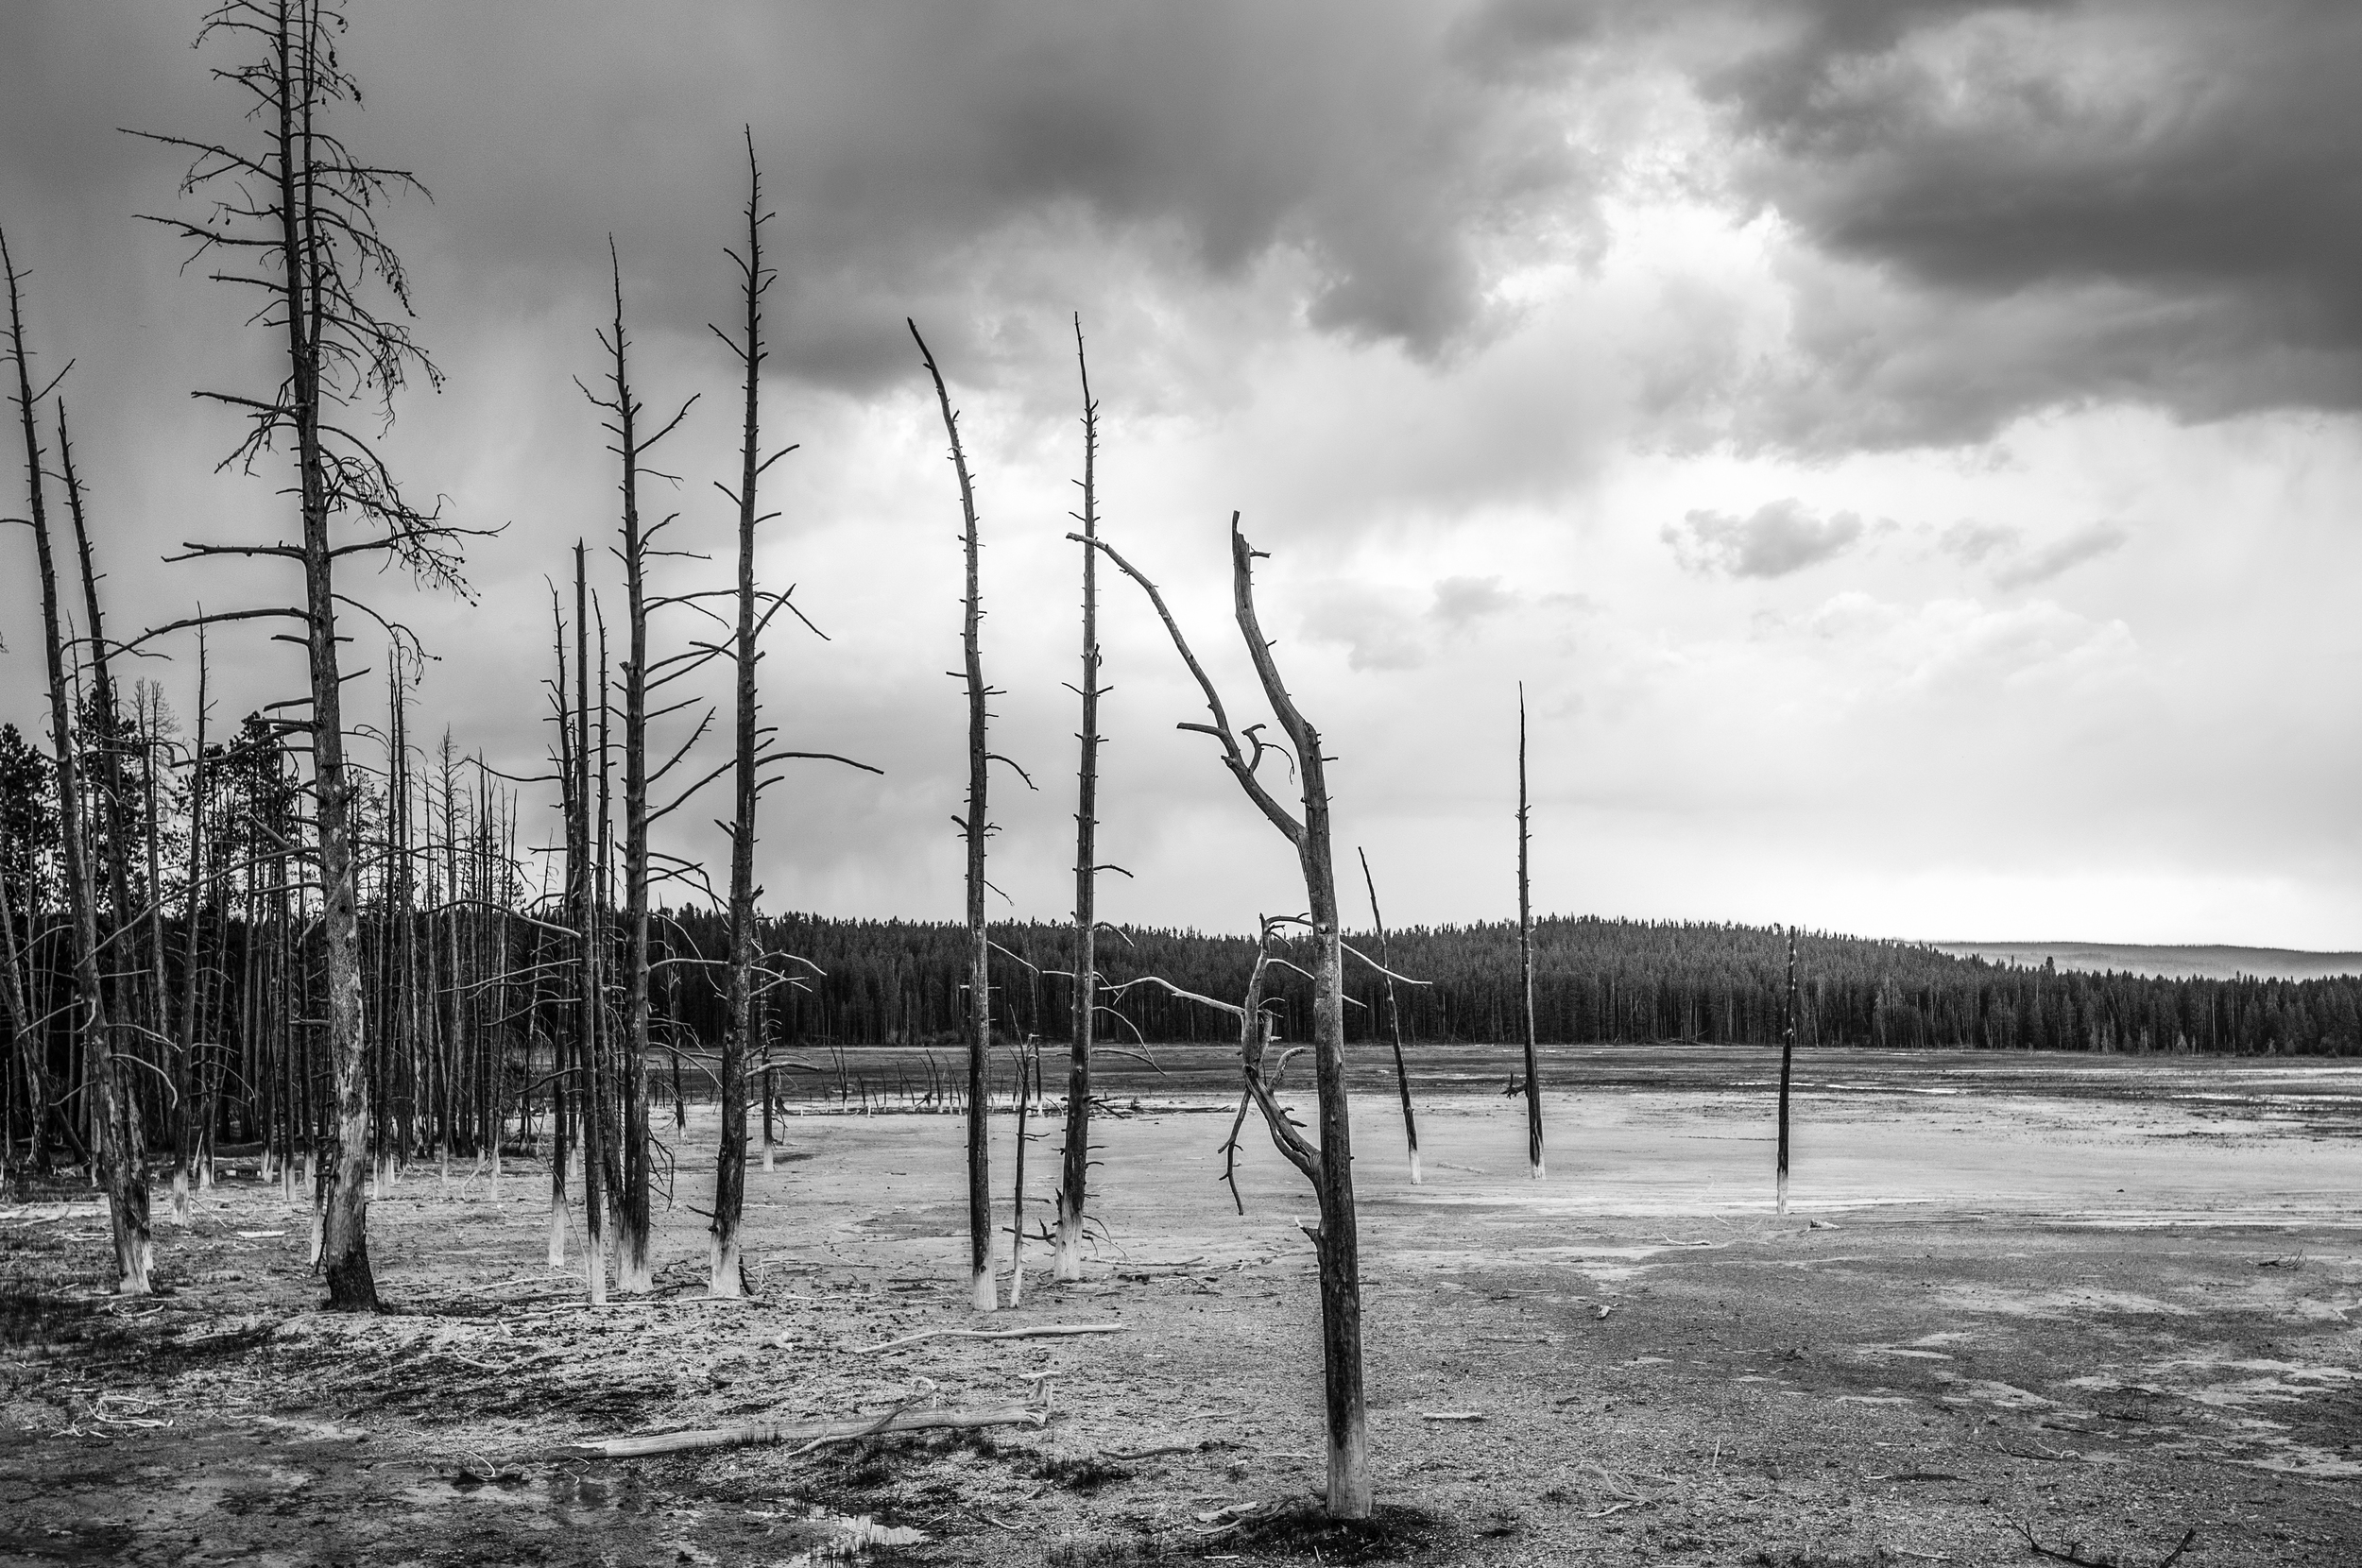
(590, 971)
(1788, 1056)
(1525, 953)
(185, 1124)
(975, 826)
(726, 1275)
(119, 1149)
(1394, 1019)
(1074, 1167)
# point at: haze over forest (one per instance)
(1908, 452)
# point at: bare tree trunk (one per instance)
(563, 1062)
(1394, 1019)
(635, 1270)
(728, 1275)
(591, 970)
(1328, 1166)
(119, 1151)
(1074, 1168)
(1525, 952)
(185, 1125)
(975, 825)
(1027, 1061)
(24, 1041)
(1787, 1056)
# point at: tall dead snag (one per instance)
(589, 877)
(1524, 951)
(1787, 1056)
(106, 746)
(1074, 1168)
(114, 1112)
(635, 1268)
(187, 1127)
(1394, 1018)
(741, 1040)
(726, 1276)
(974, 826)
(1327, 1164)
(296, 218)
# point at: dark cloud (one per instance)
(1780, 537)
(913, 150)
(2151, 199)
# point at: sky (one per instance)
(1907, 450)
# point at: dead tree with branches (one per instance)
(634, 1267)
(295, 219)
(741, 1040)
(116, 1115)
(1327, 1163)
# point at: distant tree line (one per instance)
(466, 999)
(885, 983)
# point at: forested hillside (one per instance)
(1594, 980)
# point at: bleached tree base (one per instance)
(727, 1279)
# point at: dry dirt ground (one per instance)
(2106, 1302)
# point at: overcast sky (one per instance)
(1908, 449)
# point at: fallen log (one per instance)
(764, 1433)
(1039, 1331)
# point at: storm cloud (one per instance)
(2142, 198)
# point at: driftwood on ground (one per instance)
(761, 1433)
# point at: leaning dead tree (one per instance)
(740, 1039)
(1394, 1018)
(294, 218)
(1074, 1167)
(1524, 951)
(974, 826)
(1327, 1163)
(122, 1145)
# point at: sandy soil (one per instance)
(2110, 1302)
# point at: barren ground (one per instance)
(2109, 1301)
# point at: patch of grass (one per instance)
(1394, 1532)
(1086, 1475)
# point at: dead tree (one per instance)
(974, 826)
(105, 725)
(741, 1038)
(1394, 1019)
(1524, 951)
(116, 1115)
(1328, 1164)
(590, 973)
(24, 1043)
(1788, 1056)
(186, 1128)
(293, 217)
(635, 1268)
(1074, 1167)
